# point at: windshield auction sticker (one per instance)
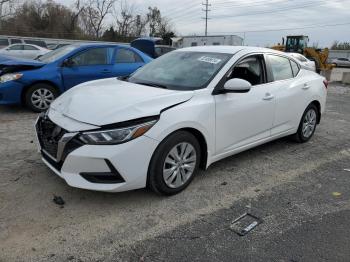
(210, 60)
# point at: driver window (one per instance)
(249, 69)
(94, 56)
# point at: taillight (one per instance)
(325, 82)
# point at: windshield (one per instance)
(56, 54)
(181, 70)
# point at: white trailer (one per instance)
(187, 41)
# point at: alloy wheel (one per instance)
(309, 123)
(179, 165)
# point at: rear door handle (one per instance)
(106, 71)
(268, 97)
(306, 86)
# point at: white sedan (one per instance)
(26, 51)
(183, 111)
(306, 63)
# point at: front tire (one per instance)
(174, 163)
(307, 125)
(39, 97)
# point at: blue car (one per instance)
(36, 83)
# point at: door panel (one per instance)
(245, 118)
(288, 102)
(91, 64)
(290, 92)
(75, 75)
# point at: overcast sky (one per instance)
(323, 21)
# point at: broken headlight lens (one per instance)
(10, 77)
(116, 136)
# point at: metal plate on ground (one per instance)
(244, 224)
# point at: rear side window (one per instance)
(30, 47)
(127, 56)
(280, 67)
(4, 42)
(36, 42)
(94, 56)
(15, 41)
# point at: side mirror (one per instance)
(68, 63)
(236, 85)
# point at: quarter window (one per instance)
(295, 67)
(127, 56)
(281, 68)
(94, 56)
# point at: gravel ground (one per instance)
(300, 191)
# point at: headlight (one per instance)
(10, 77)
(116, 136)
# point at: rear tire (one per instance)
(39, 97)
(307, 125)
(174, 163)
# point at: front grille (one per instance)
(53, 163)
(49, 135)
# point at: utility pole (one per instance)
(206, 10)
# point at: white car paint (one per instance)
(230, 123)
(304, 62)
(27, 51)
(133, 101)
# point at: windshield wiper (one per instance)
(123, 78)
(152, 84)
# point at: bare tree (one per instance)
(128, 23)
(71, 24)
(154, 19)
(95, 13)
(7, 8)
(124, 18)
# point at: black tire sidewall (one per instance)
(32, 89)
(300, 134)
(155, 178)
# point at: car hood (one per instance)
(10, 64)
(110, 101)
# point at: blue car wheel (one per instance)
(39, 97)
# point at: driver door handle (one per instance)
(306, 86)
(268, 97)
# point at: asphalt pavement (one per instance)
(300, 192)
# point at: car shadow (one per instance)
(15, 109)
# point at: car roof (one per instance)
(97, 44)
(229, 49)
(25, 44)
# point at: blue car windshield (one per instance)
(56, 54)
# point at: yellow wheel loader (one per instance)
(298, 44)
